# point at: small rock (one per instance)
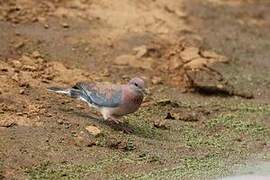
(19, 45)
(220, 86)
(48, 76)
(161, 124)
(48, 115)
(93, 130)
(46, 26)
(36, 54)
(110, 44)
(79, 106)
(22, 91)
(153, 52)
(7, 123)
(26, 60)
(4, 67)
(18, 34)
(29, 68)
(197, 64)
(132, 61)
(40, 60)
(106, 73)
(20, 113)
(60, 121)
(15, 77)
(169, 116)
(16, 64)
(41, 19)
(190, 53)
(77, 4)
(65, 25)
(141, 51)
(156, 80)
(211, 54)
(124, 60)
(24, 84)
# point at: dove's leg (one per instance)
(107, 115)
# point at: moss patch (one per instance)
(189, 150)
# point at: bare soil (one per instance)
(206, 64)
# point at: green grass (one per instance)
(219, 145)
(214, 145)
(190, 168)
(68, 171)
(142, 122)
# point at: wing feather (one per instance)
(102, 95)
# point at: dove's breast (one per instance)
(131, 101)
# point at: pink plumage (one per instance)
(113, 101)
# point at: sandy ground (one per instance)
(206, 64)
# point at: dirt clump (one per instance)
(161, 124)
(60, 42)
(93, 130)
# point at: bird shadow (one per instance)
(213, 91)
(121, 126)
(221, 92)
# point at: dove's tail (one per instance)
(71, 92)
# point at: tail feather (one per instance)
(59, 90)
(74, 93)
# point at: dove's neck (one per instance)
(132, 95)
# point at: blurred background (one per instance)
(206, 63)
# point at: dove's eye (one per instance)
(136, 84)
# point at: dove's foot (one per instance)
(117, 124)
(127, 129)
(114, 120)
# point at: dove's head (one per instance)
(138, 84)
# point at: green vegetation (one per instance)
(210, 147)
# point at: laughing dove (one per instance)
(113, 101)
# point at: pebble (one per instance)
(15, 77)
(141, 51)
(29, 68)
(16, 64)
(36, 54)
(65, 25)
(190, 53)
(22, 91)
(46, 26)
(7, 124)
(156, 80)
(161, 124)
(93, 130)
(169, 116)
(19, 45)
(3, 67)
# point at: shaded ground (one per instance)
(206, 64)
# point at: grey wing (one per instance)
(101, 95)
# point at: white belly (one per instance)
(118, 111)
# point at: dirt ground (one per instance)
(206, 64)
